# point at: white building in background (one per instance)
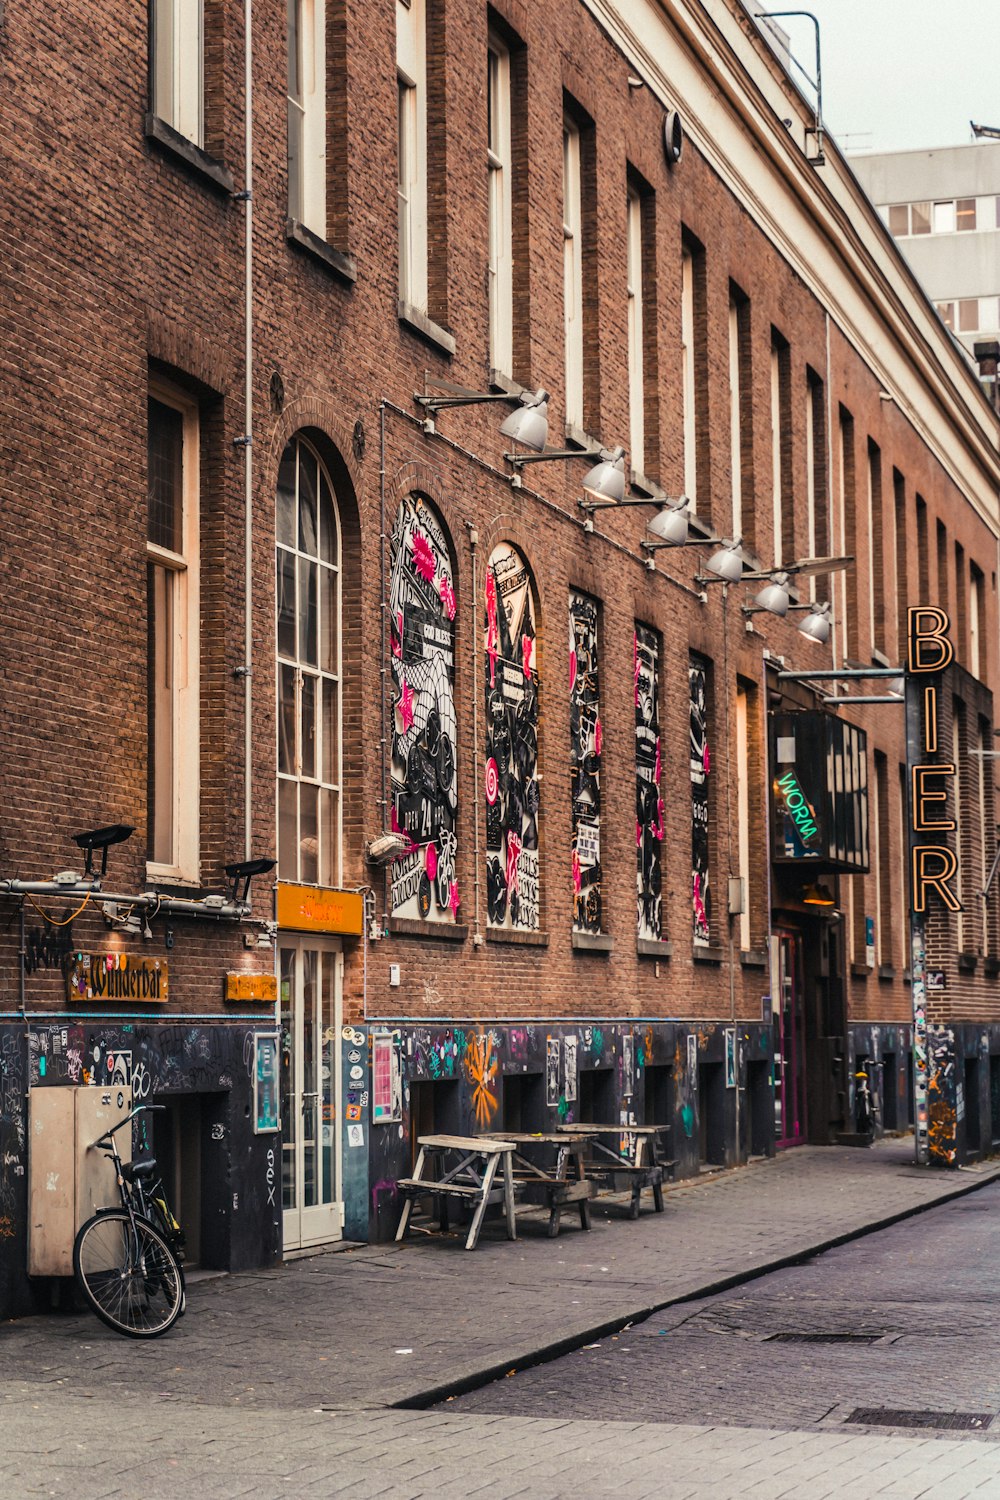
(943, 208)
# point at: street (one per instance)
(283, 1383)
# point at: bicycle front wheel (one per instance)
(128, 1274)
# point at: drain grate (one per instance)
(824, 1338)
(954, 1421)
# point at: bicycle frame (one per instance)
(127, 1192)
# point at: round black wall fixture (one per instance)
(673, 137)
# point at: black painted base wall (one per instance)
(205, 1070)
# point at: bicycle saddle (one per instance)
(133, 1169)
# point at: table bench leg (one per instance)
(554, 1213)
(508, 1195)
(585, 1213)
(404, 1219)
(477, 1219)
(633, 1209)
(658, 1197)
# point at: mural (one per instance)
(585, 762)
(701, 896)
(511, 742)
(648, 802)
(425, 731)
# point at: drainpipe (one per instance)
(246, 672)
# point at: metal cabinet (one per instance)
(67, 1180)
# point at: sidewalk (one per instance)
(387, 1325)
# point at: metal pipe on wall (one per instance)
(248, 433)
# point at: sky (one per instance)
(902, 73)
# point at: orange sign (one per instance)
(309, 908)
(252, 987)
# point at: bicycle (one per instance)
(126, 1259)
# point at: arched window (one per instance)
(309, 674)
(511, 751)
(425, 730)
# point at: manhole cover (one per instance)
(955, 1421)
(824, 1338)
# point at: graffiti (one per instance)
(425, 730)
(597, 1043)
(481, 1066)
(701, 899)
(628, 1065)
(648, 802)
(569, 1069)
(48, 946)
(552, 1071)
(6, 1227)
(585, 762)
(270, 1177)
(943, 1095)
(511, 785)
(432, 995)
(687, 1120)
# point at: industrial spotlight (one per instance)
(773, 597)
(670, 524)
(604, 482)
(817, 623)
(533, 409)
(726, 562)
(245, 870)
(101, 838)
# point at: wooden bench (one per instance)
(552, 1187)
(472, 1179)
(644, 1169)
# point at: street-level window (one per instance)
(309, 674)
(307, 114)
(178, 66)
(172, 625)
(411, 81)
(573, 271)
(498, 158)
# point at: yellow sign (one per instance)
(117, 976)
(309, 908)
(262, 987)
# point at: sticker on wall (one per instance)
(569, 1068)
(701, 899)
(648, 801)
(628, 1065)
(692, 1055)
(730, 1057)
(552, 1071)
(511, 783)
(422, 611)
(352, 1112)
(585, 762)
(355, 1135)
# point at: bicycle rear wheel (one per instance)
(128, 1274)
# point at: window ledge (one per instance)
(886, 971)
(654, 948)
(593, 942)
(335, 260)
(192, 156)
(506, 383)
(643, 485)
(860, 971)
(967, 963)
(753, 958)
(447, 932)
(880, 659)
(524, 937)
(419, 322)
(991, 967)
(578, 438)
(708, 953)
(164, 879)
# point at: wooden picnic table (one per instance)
(471, 1179)
(645, 1166)
(552, 1186)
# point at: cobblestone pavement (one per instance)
(278, 1383)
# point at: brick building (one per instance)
(334, 622)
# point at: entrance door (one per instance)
(310, 974)
(788, 1015)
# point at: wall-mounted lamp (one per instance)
(725, 563)
(604, 482)
(102, 839)
(817, 623)
(817, 894)
(529, 424)
(772, 599)
(245, 870)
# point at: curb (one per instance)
(476, 1379)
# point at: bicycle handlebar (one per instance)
(109, 1134)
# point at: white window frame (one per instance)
(411, 76)
(179, 66)
(943, 216)
(307, 115)
(975, 645)
(776, 450)
(182, 663)
(735, 437)
(501, 234)
(319, 675)
(810, 429)
(985, 853)
(688, 378)
(636, 368)
(573, 271)
(875, 643)
(878, 856)
(743, 807)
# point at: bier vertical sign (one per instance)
(933, 863)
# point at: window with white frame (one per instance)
(308, 669)
(307, 114)
(743, 806)
(943, 216)
(573, 271)
(776, 403)
(975, 606)
(985, 851)
(971, 314)
(178, 66)
(688, 377)
(811, 479)
(172, 635)
(636, 373)
(498, 157)
(735, 413)
(411, 81)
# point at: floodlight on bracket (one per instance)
(245, 870)
(604, 481)
(528, 424)
(102, 839)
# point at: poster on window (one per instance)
(265, 1083)
(701, 899)
(511, 749)
(585, 762)
(424, 882)
(387, 1078)
(648, 802)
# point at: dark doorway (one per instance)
(658, 1095)
(523, 1101)
(973, 1139)
(596, 1104)
(890, 1092)
(434, 1110)
(995, 1100)
(711, 1113)
(759, 1107)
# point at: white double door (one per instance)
(310, 981)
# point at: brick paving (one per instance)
(239, 1387)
